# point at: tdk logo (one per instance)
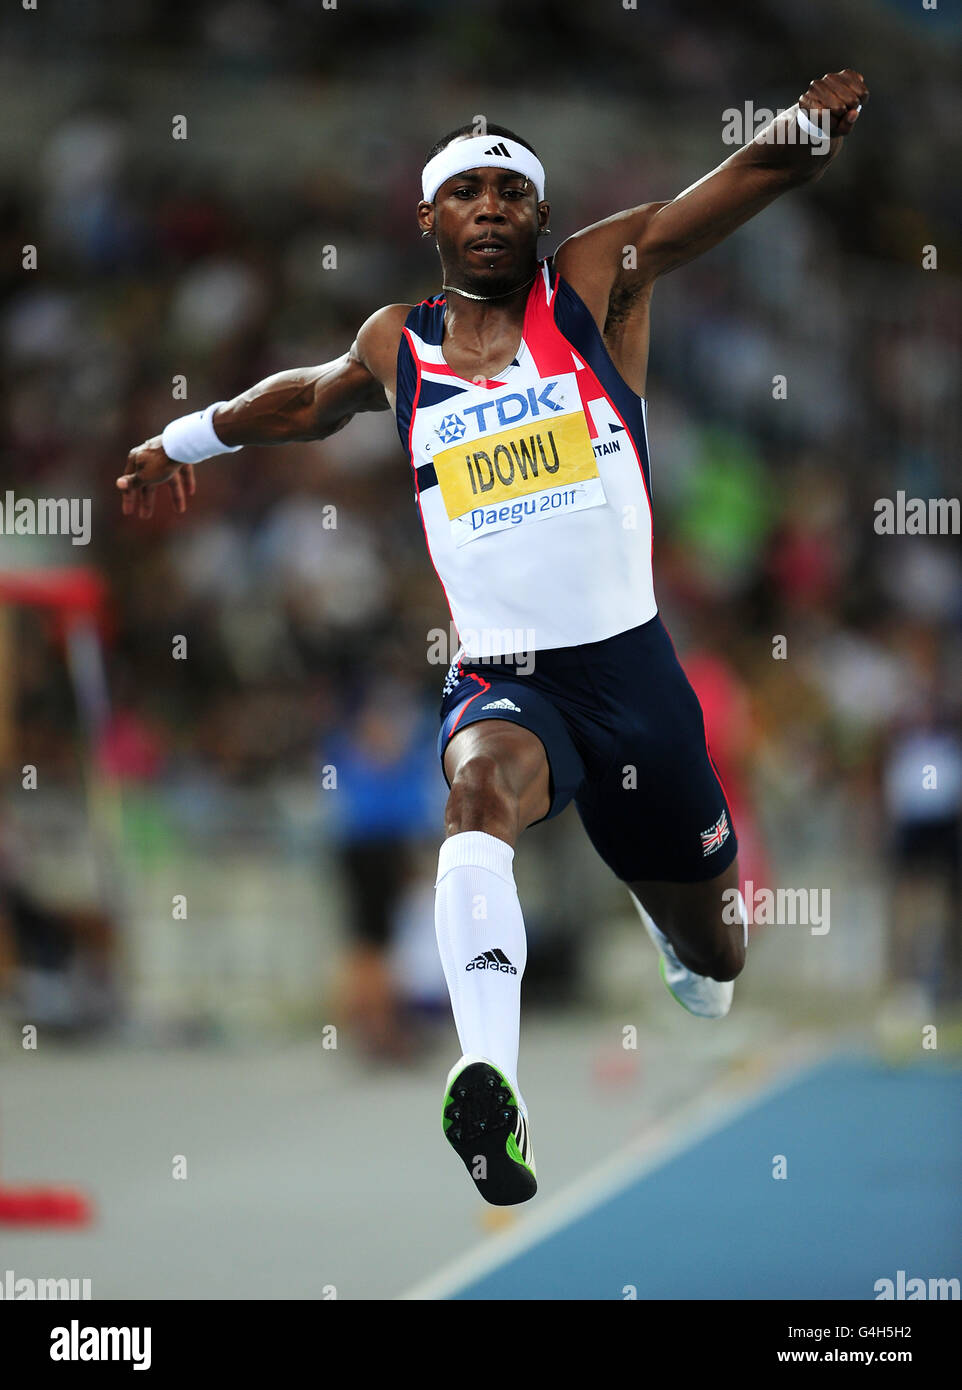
(514, 406)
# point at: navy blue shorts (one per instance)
(625, 740)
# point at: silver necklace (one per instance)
(468, 295)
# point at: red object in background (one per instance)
(44, 1206)
(129, 749)
(613, 1067)
(77, 590)
(68, 595)
(727, 710)
(804, 566)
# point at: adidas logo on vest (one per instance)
(492, 960)
(503, 704)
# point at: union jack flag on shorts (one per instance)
(716, 836)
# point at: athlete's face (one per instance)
(486, 222)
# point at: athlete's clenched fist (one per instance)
(840, 93)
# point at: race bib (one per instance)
(521, 475)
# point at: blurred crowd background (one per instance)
(280, 775)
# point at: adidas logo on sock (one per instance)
(503, 704)
(492, 960)
(501, 149)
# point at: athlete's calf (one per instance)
(693, 917)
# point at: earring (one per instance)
(545, 231)
(427, 233)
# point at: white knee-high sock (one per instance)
(482, 943)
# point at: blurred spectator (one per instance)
(381, 782)
(58, 966)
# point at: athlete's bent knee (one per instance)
(728, 960)
(481, 799)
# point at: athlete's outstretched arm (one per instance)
(780, 157)
(304, 404)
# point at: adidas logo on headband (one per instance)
(474, 153)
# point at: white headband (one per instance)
(481, 151)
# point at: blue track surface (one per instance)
(874, 1162)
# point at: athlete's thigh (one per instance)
(495, 717)
(658, 811)
(519, 755)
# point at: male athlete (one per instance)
(518, 392)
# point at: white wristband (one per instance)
(809, 127)
(191, 438)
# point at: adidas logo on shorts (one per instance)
(503, 704)
(492, 960)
